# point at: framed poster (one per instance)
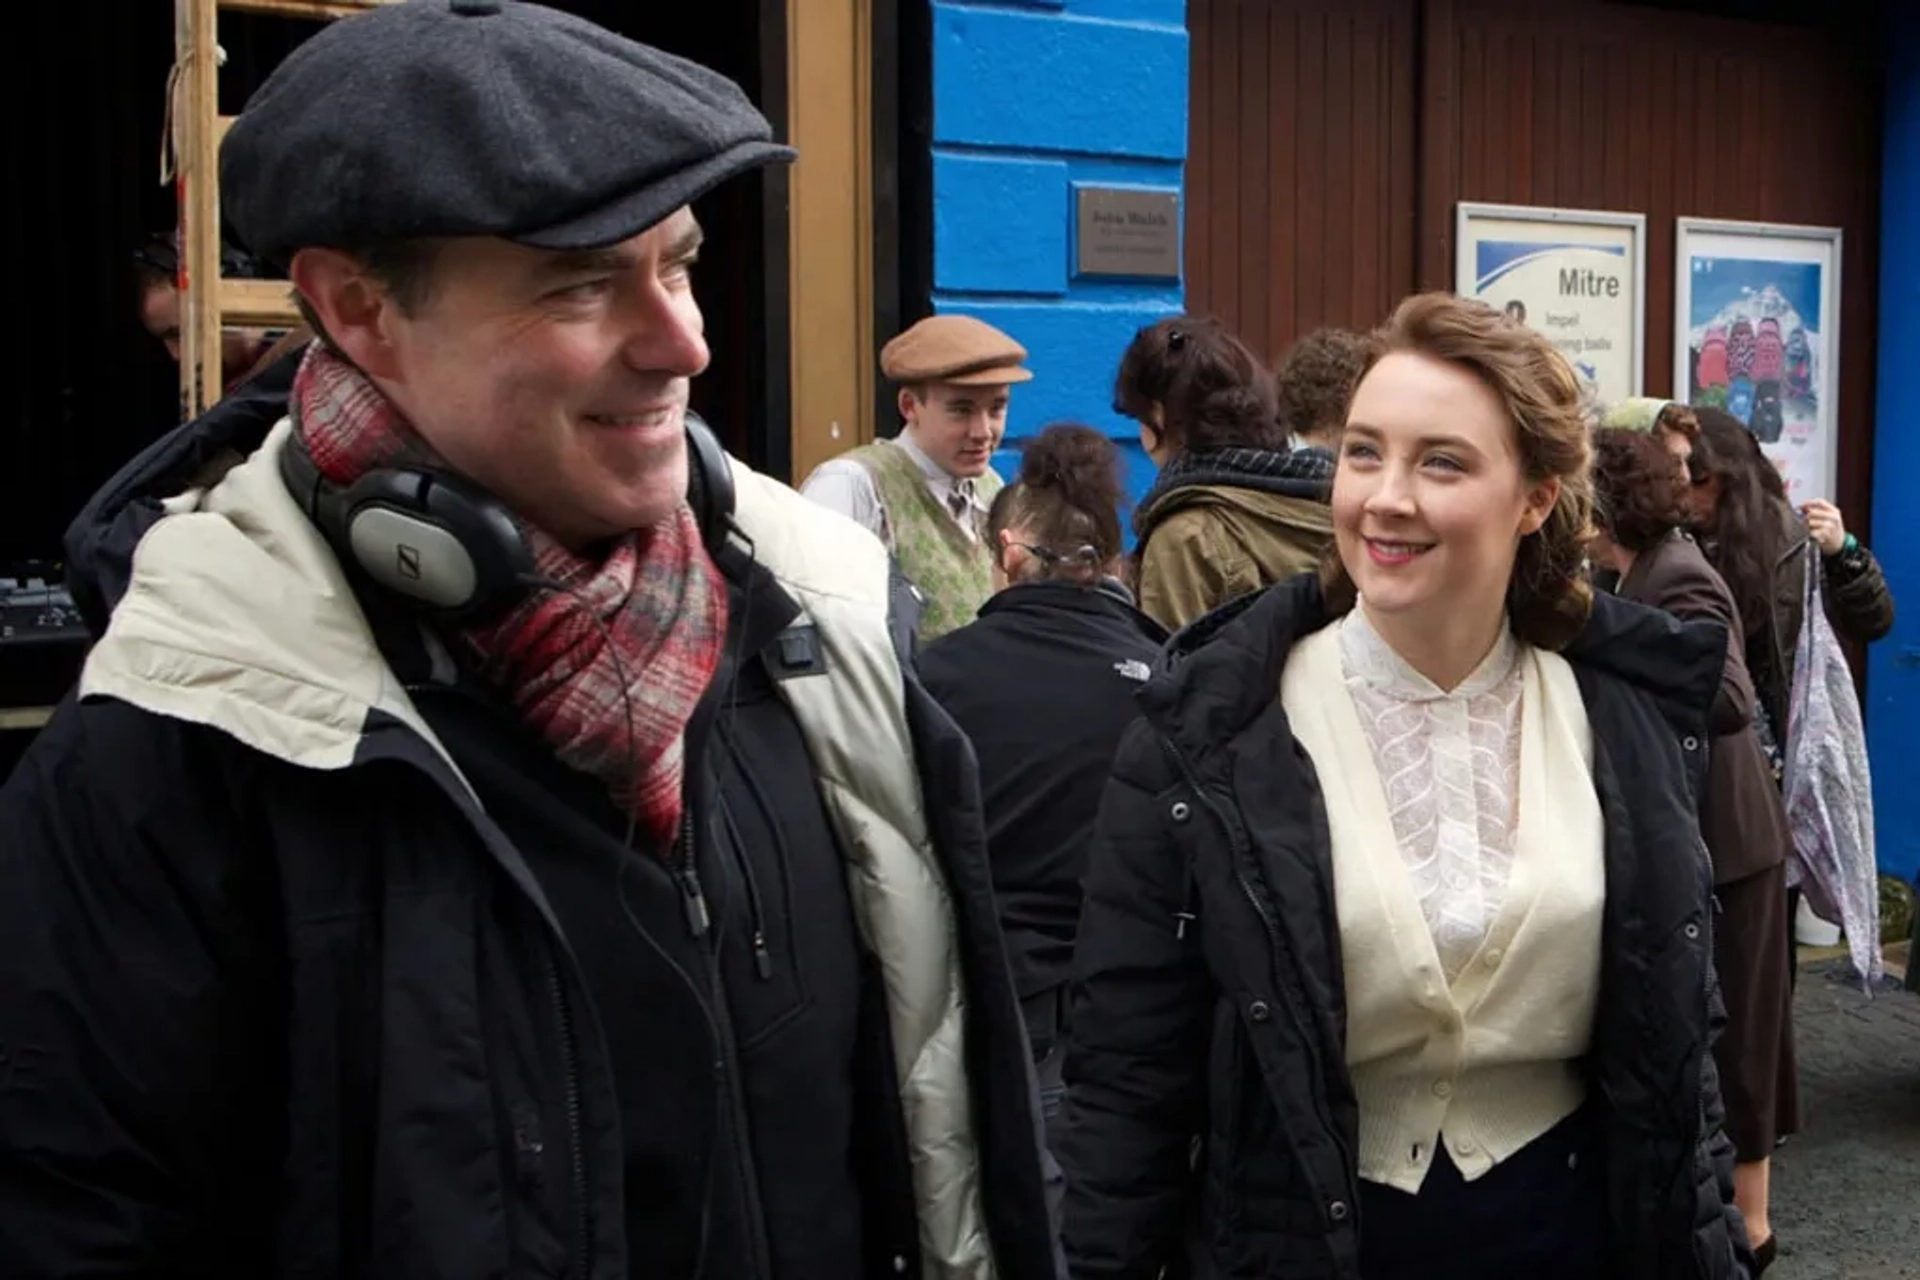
(1575, 275)
(1757, 333)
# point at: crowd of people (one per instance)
(1432, 518)
(496, 833)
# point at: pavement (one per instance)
(1846, 1190)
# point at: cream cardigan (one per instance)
(1488, 1063)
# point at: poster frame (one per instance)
(1828, 388)
(1469, 211)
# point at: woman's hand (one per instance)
(1824, 523)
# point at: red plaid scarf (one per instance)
(660, 603)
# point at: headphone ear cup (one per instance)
(437, 540)
(434, 539)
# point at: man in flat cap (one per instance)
(495, 834)
(925, 492)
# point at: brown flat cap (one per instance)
(955, 349)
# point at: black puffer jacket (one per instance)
(303, 978)
(1042, 683)
(1209, 992)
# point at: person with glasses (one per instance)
(1043, 682)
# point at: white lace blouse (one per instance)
(1449, 762)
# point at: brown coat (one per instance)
(1741, 816)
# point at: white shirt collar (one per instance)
(939, 480)
(1371, 659)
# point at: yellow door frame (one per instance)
(830, 297)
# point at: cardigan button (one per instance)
(1259, 1011)
(1181, 811)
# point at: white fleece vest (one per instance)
(237, 616)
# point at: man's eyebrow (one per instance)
(685, 245)
(582, 262)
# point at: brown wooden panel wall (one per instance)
(1301, 163)
(1586, 105)
(1330, 141)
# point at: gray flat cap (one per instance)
(482, 118)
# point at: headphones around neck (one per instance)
(447, 547)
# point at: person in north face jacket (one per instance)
(495, 834)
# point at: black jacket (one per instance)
(1209, 993)
(341, 1020)
(1043, 684)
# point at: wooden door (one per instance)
(1301, 163)
(1331, 140)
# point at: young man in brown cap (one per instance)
(496, 836)
(925, 492)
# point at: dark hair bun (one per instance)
(1066, 498)
(1075, 460)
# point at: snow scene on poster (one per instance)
(1756, 352)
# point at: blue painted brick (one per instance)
(1000, 224)
(1045, 82)
(1073, 350)
(1166, 13)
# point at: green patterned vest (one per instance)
(955, 575)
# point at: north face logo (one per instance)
(408, 561)
(1134, 669)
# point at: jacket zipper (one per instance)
(576, 1152)
(699, 924)
(1241, 849)
(762, 957)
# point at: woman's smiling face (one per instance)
(1430, 501)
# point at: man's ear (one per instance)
(355, 309)
(908, 400)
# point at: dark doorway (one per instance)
(83, 387)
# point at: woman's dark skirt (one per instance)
(1540, 1212)
(1753, 955)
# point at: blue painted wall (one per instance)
(1893, 665)
(1029, 98)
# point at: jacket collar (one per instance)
(223, 605)
(1292, 473)
(1223, 670)
(1108, 598)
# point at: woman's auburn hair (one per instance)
(1549, 597)
(1639, 491)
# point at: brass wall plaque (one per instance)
(1127, 232)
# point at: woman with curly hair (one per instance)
(1314, 381)
(1396, 898)
(1233, 508)
(1641, 508)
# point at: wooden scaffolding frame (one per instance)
(209, 303)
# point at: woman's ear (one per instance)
(1540, 501)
